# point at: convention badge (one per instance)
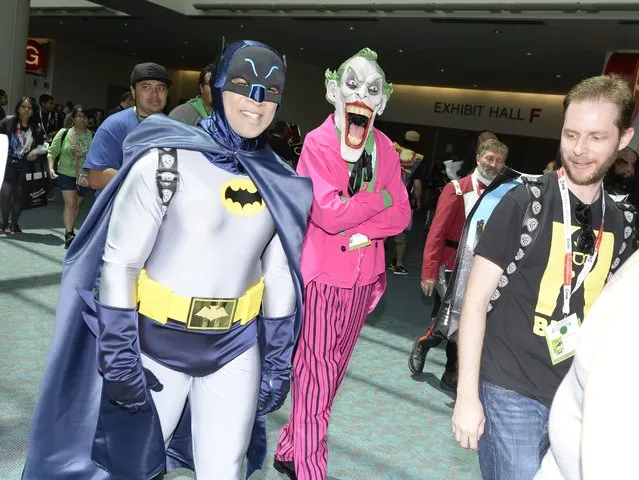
(562, 338)
(358, 241)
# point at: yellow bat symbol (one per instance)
(212, 313)
(240, 197)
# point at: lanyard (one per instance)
(590, 259)
(75, 150)
(24, 138)
(45, 130)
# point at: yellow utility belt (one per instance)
(160, 303)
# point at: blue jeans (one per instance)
(515, 435)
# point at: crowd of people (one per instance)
(290, 260)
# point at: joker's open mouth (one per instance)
(358, 118)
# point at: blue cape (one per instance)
(65, 436)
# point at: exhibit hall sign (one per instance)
(528, 114)
(36, 57)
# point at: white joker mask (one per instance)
(358, 96)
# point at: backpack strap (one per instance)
(167, 175)
(530, 228)
(56, 160)
(629, 230)
(457, 186)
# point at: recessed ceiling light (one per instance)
(400, 51)
(61, 23)
(241, 26)
(126, 24)
(351, 28)
(186, 42)
(301, 48)
(528, 54)
(558, 75)
(475, 85)
(442, 70)
(497, 31)
(126, 40)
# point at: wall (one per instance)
(37, 84)
(83, 75)
(304, 102)
(514, 113)
(14, 27)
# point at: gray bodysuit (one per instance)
(204, 246)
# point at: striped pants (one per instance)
(332, 320)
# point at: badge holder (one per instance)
(562, 338)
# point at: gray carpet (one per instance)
(385, 424)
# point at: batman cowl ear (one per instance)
(218, 58)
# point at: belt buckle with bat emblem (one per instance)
(211, 314)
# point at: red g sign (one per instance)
(36, 56)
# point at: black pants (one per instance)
(433, 339)
(11, 194)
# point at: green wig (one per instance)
(368, 54)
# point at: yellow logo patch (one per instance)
(240, 197)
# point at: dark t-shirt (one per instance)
(515, 354)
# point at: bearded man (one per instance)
(525, 300)
(456, 201)
(359, 198)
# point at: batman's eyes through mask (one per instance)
(240, 197)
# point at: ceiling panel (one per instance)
(544, 55)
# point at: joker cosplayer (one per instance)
(358, 200)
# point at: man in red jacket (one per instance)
(455, 202)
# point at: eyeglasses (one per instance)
(586, 239)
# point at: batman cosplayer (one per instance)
(198, 240)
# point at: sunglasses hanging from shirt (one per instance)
(585, 220)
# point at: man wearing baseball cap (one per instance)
(150, 83)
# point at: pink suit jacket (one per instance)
(335, 216)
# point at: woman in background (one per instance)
(70, 147)
(26, 142)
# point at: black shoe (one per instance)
(285, 468)
(68, 238)
(417, 357)
(3, 228)
(449, 381)
(400, 270)
(15, 228)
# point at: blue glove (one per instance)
(276, 340)
(125, 380)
